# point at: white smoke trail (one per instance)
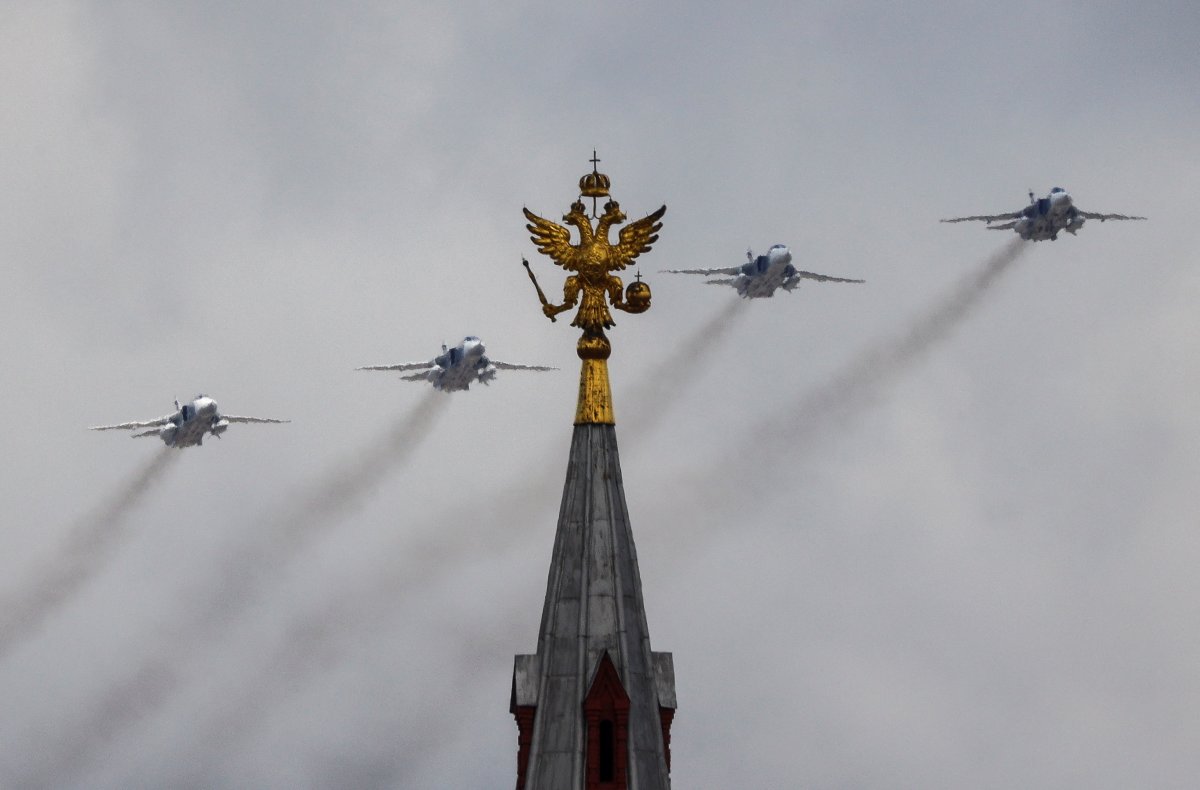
(159, 679)
(346, 485)
(89, 546)
(853, 387)
(668, 380)
(339, 490)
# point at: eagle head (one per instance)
(613, 213)
(577, 214)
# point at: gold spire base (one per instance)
(595, 392)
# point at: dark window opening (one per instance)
(606, 751)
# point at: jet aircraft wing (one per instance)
(1005, 226)
(988, 217)
(161, 421)
(825, 278)
(401, 366)
(510, 366)
(1102, 217)
(729, 270)
(251, 419)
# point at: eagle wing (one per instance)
(637, 237)
(552, 239)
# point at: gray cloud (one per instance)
(250, 201)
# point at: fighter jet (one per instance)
(761, 276)
(1043, 218)
(188, 424)
(456, 368)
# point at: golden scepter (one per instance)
(542, 296)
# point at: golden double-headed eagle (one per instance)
(592, 260)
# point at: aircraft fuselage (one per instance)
(189, 425)
(765, 274)
(459, 367)
(1044, 218)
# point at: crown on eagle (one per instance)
(594, 185)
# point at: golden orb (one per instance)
(637, 297)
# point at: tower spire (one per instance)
(594, 704)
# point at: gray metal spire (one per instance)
(594, 704)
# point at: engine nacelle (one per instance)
(220, 426)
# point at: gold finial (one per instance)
(594, 184)
(592, 260)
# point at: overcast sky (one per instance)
(983, 575)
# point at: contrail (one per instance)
(325, 635)
(89, 545)
(670, 379)
(325, 501)
(159, 679)
(346, 485)
(852, 388)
